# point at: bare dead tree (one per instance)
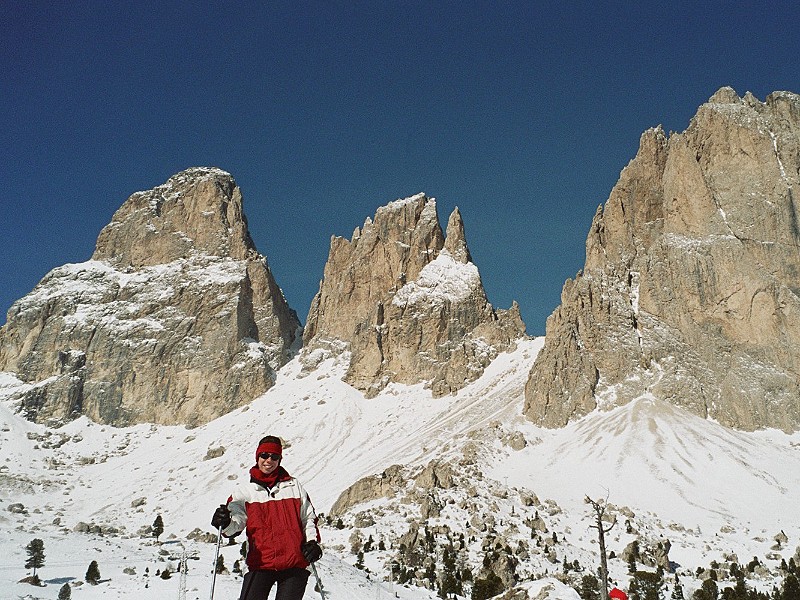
(599, 507)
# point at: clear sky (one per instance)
(522, 114)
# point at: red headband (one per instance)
(269, 447)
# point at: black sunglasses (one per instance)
(266, 455)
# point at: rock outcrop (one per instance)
(691, 286)
(408, 303)
(175, 319)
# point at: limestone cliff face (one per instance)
(691, 286)
(175, 319)
(408, 303)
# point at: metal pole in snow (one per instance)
(216, 558)
(319, 581)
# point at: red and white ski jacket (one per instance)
(277, 520)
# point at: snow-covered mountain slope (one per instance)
(708, 489)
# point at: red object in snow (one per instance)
(617, 594)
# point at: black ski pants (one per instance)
(291, 584)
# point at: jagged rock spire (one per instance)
(455, 240)
(408, 304)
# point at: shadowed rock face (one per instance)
(175, 319)
(691, 287)
(408, 303)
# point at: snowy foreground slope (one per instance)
(711, 491)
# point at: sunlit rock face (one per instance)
(691, 285)
(408, 303)
(175, 319)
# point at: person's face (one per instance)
(268, 462)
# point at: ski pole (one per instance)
(216, 558)
(319, 581)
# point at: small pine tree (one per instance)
(65, 593)
(791, 588)
(590, 588)
(93, 573)
(35, 551)
(166, 573)
(677, 591)
(707, 591)
(430, 574)
(449, 586)
(740, 591)
(632, 565)
(220, 568)
(646, 585)
(158, 527)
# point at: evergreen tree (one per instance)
(646, 585)
(791, 588)
(158, 527)
(404, 576)
(677, 591)
(590, 588)
(93, 573)
(740, 591)
(35, 550)
(360, 560)
(65, 592)
(449, 559)
(707, 591)
(450, 585)
(220, 567)
(430, 574)
(631, 565)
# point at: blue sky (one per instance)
(522, 114)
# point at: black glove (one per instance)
(221, 518)
(311, 551)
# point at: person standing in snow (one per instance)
(282, 534)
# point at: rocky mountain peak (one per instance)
(725, 95)
(176, 319)
(197, 211)
(408, 304)
(691, 286)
